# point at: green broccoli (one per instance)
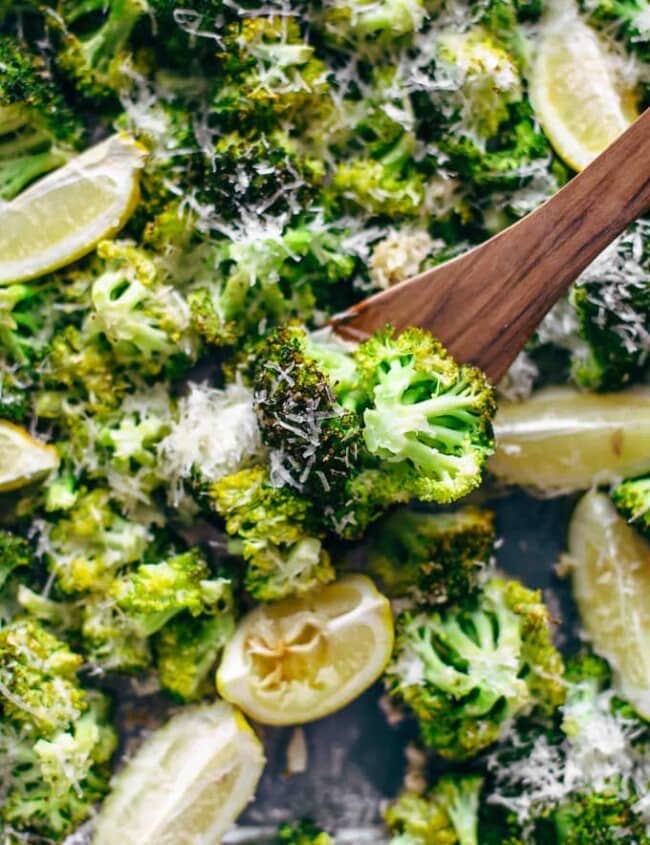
(265, 276)
(153, 593)
(612, 303)
(51, 782)
(426, 411)
(577, 780)
(447, 815)
(87, 546)
(370, 26)
(270, 77)
(302, 833)
(38, 678)
(14, 401)
(274, 530)
(187, 652)
(468, 671)
(145, 321)
(111, 640)
(435, 558)
(15, 552)
(38, 130)
(94, 54)
(632, 501)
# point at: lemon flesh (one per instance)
(187, 783)
(23, 458)
(561, 440)
(300, 659)
(575, 93)
(63, 216)
(610, 570)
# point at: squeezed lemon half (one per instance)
(575, 92)
(302, 658)
(64, 215)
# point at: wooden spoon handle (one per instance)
(485, 305)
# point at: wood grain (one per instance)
(486, 304)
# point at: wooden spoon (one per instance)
(485, 304)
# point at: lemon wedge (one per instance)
(302, 658)
(574, 90)
(562, 440)
(64, 215)
(23, 458)
(610, 570)
(188, 782)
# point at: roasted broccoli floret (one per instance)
(187, 652)
(426, 411)
(153, 593)
(93, 50)
(15, 552)
(111, 640)
(632, 501)
(261, 278)
(275, 532)
(447, 815)
(38, 130)
(38, 678)
(270, 76)
(92, 542)
(612, 303)
(468, 671)
(434, 558)
(51, 781)
(370, 26)
(304, 399)
(145, 320)
(302, 833)
(578, 780)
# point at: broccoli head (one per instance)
(468, 671)
(612, 303)
(145, 321)
(632, 500)
(93, 49)
(87, 546)
(187, 653)
(370, 26)
(274, 529)
(302, 833)
(447, 815)
(15, 552)
(426, 411)
(153, 593)
(38, 130)
(577, 779)
(38, 678)
(50, 783)
(435, 558)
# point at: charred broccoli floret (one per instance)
(435, 558)
(468, 671)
